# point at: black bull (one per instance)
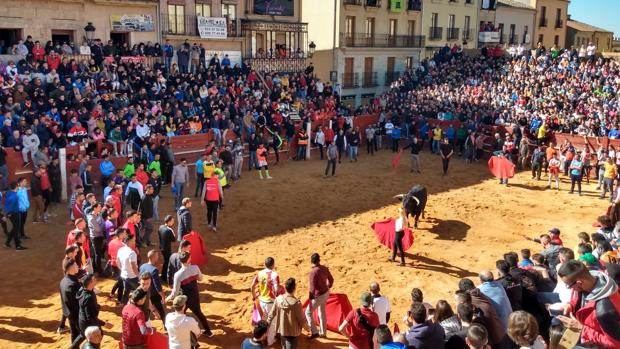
(414, 202)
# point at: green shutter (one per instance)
(396, 5)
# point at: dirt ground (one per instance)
(471, 221)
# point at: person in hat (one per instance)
(360, 324)
(182, 329)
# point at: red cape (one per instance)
(197, 250)
(501, 167)
(385, 231)
(336, 310)
(153, 341)
(396, 160)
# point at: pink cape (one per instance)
(385, 231)
(336, 310)
(501, 167)
(197, 250)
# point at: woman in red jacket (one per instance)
(38, 52)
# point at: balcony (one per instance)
(372, 3)
(559, 23)
(280, 65)
(435, 33)
(467, 33)
(381, 40)
(489, 37)
(353, 2)
(350, 80)
(543, 22)
(391, 76)
(370, 79)
(453, 33)
(187, 25)
(414, 5)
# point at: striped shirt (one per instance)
(185, 275)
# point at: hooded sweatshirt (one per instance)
(288, 315)
(427, 335)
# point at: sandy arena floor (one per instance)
(471, 221)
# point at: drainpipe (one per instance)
(334, 62)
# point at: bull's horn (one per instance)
(416, 199)
(399, 196)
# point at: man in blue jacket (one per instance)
(107, 169)
(11, 207)
(23, 204)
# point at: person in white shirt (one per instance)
(389, 127)
(180, 326)
(143, 131)
(399, 228)
(135, 185)
(319, 140)
(127, 262)
(381, 304)
(591, 51)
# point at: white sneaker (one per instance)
(269, 177)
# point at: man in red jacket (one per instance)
(321, 280)
(594, 307)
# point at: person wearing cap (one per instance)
(360, 323)
(186, 280)
(179, 326)
(134, 325)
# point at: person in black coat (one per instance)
(184, 218)
(88, 308)
(55, 179)
(69, 286)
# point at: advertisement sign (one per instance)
(212, 27)
(274, 7)
(132, 23)
(234, 56)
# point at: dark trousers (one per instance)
(159, 306)
(118, 285)
(76, 335)
(14, 233)
(200, 181)
(370, 147)
(22, 223)
(566, 166)
(445, 163)
(398, 246)
(395, 145)
(320, 150)
(340, 150)
(164, 268)
(289, 342)
(212, 212)
(277, 154)
(128, 286)
(536, 170)
(331, 163)
(97, 248)
(575, 179)
(193, 304)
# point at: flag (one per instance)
(396, 160)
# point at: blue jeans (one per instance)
(178, 195)
(253, 162)
(301, 152)
(435, 146)
(353, 152)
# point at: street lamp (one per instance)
(311, 48)
(90, 32)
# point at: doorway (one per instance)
(62, 36)
(119, 38)
(8, 38)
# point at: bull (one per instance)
(414, 202)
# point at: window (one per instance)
(370, 27)
(512, 34)
(501, 32)
(558, 18)
(451, 22)
(203, 10)
(409, 62)
(556, 40)
(434, 19)
(349, 26)
(393, 26)
(543, 16)
(467, 23)
(541, 38)
(230, 11)
(411, 28)
(176, 19)
(526, 34)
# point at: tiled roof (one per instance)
(583, 27)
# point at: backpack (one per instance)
(364, 322)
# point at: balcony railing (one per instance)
(187, 25)
(381, 40)
(467, 33)
(435, 33)
(543, 22)
(414, 5)
(391, 76)
(559, 23)
(353, 2)
(280, 65)
(453, 33)
(370, 79)
(372, 3)
(350, 80)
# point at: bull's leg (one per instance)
(415, 224)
